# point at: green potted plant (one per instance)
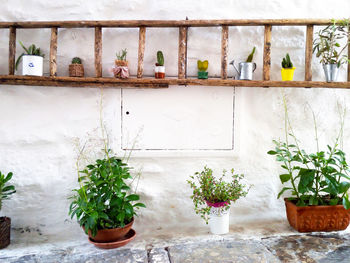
(121, 69)
(287, 70)
(6, 191)
(247, 68)
(202, 69)
(103, 204)
(327, 46)
(318, 183)
(76, 69)
(32, 60)
(212, 197)
(159, 70)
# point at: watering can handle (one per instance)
(254, 66)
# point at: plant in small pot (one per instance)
(76, 69)
(318, 183)
(329, 49)
(159, 70)
(246, 69)
(103, 204)
(121, 69)
(5, 222)
(33, 59)
(212, 197)
(202, 69)
(287, 70)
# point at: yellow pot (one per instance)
(287, 74)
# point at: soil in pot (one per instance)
(111, 235)
(317, 218)
(5, 231)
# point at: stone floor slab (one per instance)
(158, 255)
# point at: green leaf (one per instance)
(283, 190)
(285, 177)
(346, 202)
(139, 205)
(306, 179)
(272, 152)
(132, 197)
(333, 201)
(344, 187)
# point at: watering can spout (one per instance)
(233, 64)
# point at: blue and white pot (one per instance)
(32, 65)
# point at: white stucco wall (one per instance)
(40, 124)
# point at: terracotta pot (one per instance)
(76, 70)
(317, 218)
(5, 231)
(111, 235)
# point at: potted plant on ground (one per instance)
(318, 183)
(329, 49)
(5, 222)
(287, 70)
(202, 69)
(212, 197)
(32, 60)
(103, 204)
(246, 69)
(121, 69)
(76, 69)
(159, 70)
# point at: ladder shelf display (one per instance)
(139, 81)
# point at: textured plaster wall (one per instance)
(39, 125)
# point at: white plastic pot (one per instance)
(32, 65)
(219, 221)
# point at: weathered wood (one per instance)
(349, 56)
(267, 52)
(224, 51)
(167, 23)
(141, 52)
(156, 83)
(12, 50)
(98, 52)
(308, 52)
(53, 52)
(182, 52)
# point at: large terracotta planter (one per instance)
(111, 235)
(317, 218)
(5, 231)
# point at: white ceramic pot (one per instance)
(32, 65)
(159, 69)
(219, 221)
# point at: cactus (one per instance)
(160, 58)
(286, 62)
(202, 65)
(76, 60)
(122, 54)
(250, 57)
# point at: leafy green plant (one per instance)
(327, 46)
(103, 200)
(286, 62)
(122, 54)
(5, 190)
(202, 65)
(160, 58)
(212, 190)
(250, 57)
(76, 60)
(31, 50)
(320, 178)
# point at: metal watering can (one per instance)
(245, 71)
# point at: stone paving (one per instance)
(310, 248)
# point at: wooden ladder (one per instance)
(182, 25)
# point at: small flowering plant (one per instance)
(215, 192)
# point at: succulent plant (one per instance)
(286, 62)
(250, 57)
(160, 58)
(202, 65)
(76, 60)
(31, 50)
(122, 54)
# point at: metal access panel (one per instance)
(178, 118)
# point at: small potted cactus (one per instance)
(202, 69)
(76, 69)
(33, 59)
(159, 70)
(287, 70)
(121, 69)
